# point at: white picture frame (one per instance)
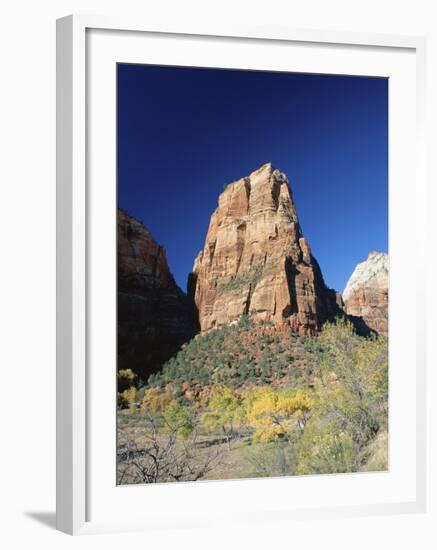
(74, 342)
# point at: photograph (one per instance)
(218, 283)
(252, 274)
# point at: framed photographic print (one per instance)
(236, 324)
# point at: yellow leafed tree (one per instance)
(225, 412)
(274, 413)
(155, 400)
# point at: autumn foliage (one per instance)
(325, 411)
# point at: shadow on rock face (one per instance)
(360, 326)
(154, 317)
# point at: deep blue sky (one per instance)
(183, 133)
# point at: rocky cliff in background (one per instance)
(154, 316)
(366, 293)
(256, 261)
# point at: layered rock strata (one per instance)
(366, 293)
(257, 262)
(154, 316)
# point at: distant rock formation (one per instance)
(154, 316)
(256, 261)
(366, 293)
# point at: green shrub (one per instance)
(326, 450)
(277, 458)
(225, 413)
(251, 277)
(179, 419)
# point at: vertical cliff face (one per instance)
(366, 293)
(256, 261)
(154, 316)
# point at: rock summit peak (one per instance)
(256, 261)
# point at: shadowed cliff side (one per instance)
(154, 316)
